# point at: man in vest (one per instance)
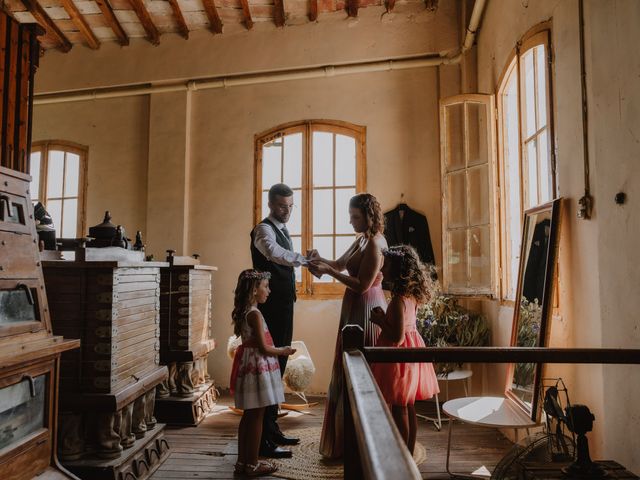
(272, 251)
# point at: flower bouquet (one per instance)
(444, 323)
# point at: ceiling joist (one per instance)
(45, 21)
(248, 21)
(313, 10)
(79, 21)
(183, 29)
(215, 24)
(352, 7)
(112, 21)
(143, 15)
(278, 13)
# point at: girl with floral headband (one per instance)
(255, 375)
(402, 384)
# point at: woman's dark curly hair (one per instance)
(409, 276)
(248, 282)
(370, 208)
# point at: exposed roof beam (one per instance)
(215, 24)
(110, 17)
(143, 15)
(313, 10)
(431, 5)
(278, 13)
(248, 21)
(182, 24)
(45, 21)
(352, 8)
(81, 23)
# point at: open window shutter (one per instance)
(467, 152)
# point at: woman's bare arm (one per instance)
(340, 264)
(369, 267)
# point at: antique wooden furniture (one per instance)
(185, 341)
(29, 352)
(107, 424)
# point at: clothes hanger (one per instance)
(402, 206)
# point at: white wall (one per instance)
(598, 258)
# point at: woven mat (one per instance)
(308, 464)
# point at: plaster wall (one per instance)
(215, 130)
(116, 133)
(597, 273)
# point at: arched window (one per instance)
(526, 157)
(323, 162)
(58, 171)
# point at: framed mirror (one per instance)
(534, 297)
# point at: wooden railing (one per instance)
(373, 446)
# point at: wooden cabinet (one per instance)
(29, 352)
(185, 341)
(107, 421)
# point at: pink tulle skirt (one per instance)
(404, 383)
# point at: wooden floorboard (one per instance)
(209, 450)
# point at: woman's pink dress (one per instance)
(404, 383)
(356, 309)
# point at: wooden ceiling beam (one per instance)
(352, 8)
(215, 24)
(112, 21)
(79, 21)
(143, 15)
(278, 13)
(313, 10)
(45, 21)
(183, 29)
(248, 21)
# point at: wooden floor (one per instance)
(209, 450)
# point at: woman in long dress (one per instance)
(362, 261)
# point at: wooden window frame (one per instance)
(83, 152)
(488, 102)
(306, 288)
(536, 36)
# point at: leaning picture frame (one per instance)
(533, 306)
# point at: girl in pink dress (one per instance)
(255, 375)
(402, 384)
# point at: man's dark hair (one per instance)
(279, 189)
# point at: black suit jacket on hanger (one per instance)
(412, 229)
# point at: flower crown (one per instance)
(388, 252)
(255, 275)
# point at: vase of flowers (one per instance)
(443, 322)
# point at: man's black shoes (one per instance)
(271, 450)
(281, 439)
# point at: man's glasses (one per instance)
(284, 207)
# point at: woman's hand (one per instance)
(320, 268)
(287, 351)
(377, 316)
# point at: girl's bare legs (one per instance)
(251, 435)
(399, 414)
(413, 427)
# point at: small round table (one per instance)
(463, 375)
(496, 412)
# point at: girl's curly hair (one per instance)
(370, 208)
(248, 281)
(409, 276)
